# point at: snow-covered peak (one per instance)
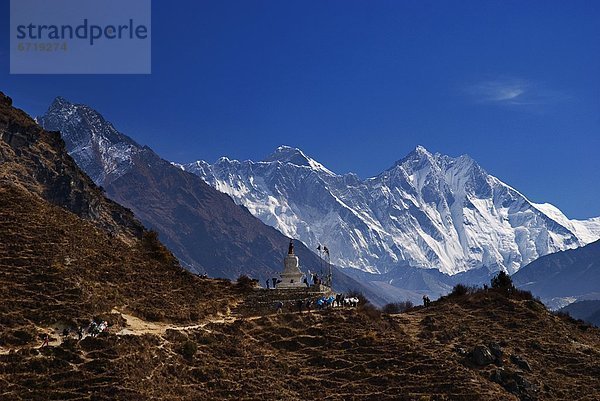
(420, 150)
(419, 154)
(288, 154)
(429, 210)
(59, 102)
(99, 149)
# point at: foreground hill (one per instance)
(203, 227)
(355, 354)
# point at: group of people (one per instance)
(273, 280)
(93, 329)
(337, 301)
(426, 301)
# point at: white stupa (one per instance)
(291, 277)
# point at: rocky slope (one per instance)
(66, 251)
(37, 161)
(476, 347)
(203, 227)
(427, 210)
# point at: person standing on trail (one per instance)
(274, 282)
(79, 333)
(46, 340)
(279, 307)
(299, 305)
(267, 284)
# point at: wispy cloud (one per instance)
(513, 91)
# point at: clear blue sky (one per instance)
(358, 84)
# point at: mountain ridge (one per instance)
(563, 277)
(433, 197)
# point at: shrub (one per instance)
(245, 283)
(524, 295)
(188, 349)
(397, 307)
(369, 311)
(461, 290)
(391, 308)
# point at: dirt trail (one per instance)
(138, 327)
(135, 326)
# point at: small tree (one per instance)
(502, 281)
(391, 308)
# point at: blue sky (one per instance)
(358, 84)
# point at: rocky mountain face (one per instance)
(99, 149)
(564, 277)
(37, 161)
(203, 227)
(427, 210)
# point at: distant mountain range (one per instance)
(427, 210)
(564, 277)
(588, 311)
(203, 227)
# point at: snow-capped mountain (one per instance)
(427, 210)
(99, 149)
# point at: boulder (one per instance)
(496, 350)
(516, 383)
(482, 355)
